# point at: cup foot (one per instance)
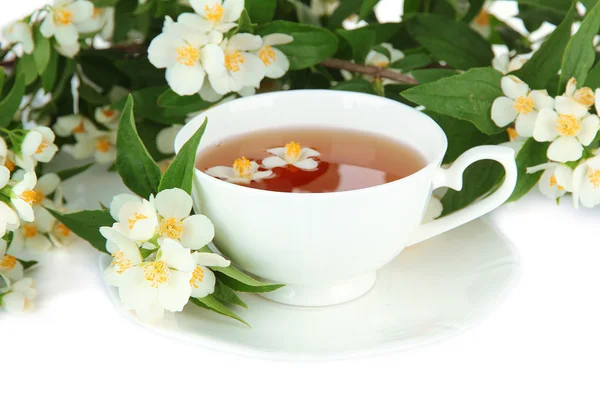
(323, 294)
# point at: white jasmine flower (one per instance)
(19, 297)
(575, 101)
(62, 20)
(568, 132)
(381, 60)
(32, 236)
(100, 144)
(9, 220)
(242, 68)
(73, 125)
(243, 171)
(176, 223)
(323, 7)
(10, 267)
(68, 50)
(187, 56)
(165, 139)
(136, 218)
(162, 284)
(19, 32)
(292, 154)
(481, 23)
(203, 279)
(23, 196)
(102, 21)
(60, 235)
(275, 61)
(504, 64)
(38, 145)
(556, 180)
(520, 104)
(107, 116)
(217, 15)
(586, 183)
(45, 186)
(124, 251)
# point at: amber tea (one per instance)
(310, 160)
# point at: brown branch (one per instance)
(377, 72)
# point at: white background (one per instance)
(542, 342)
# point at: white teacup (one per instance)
(327, 247)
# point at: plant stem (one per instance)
(377, 72)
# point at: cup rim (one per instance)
(432, 163)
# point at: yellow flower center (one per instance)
(512, 133)
(171, 228)
(39, 197)
(554, 182)
(197, 277)
(102, 145)
(97, 12)
(524, 105)
(585, 96)
(108, 113)
(267, 55)
(483, 18)
(62, 229)
(594, 177)
(568, 124)
(8, 262)
(157, 273)
(63, 17)
(136, 217)
(188, 55)
(10, 165)
(292, 150)
(233, 61)
(382, 64)
(214, 13)
(79, 128)
(242, 167)
(121, 262)
(30, 231)
(41, 148)
(29, 196)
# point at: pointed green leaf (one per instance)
(355, 85)
(240, 282)
(139, 171)
(531, 154)
(10, 104)
(227, 295)
(545, 63)
(361, 43)
(261, 11)
(26, 67)
(211, 303)
(2, 78)
(71, 172)
(51, 72)
(86, 225)
(593, 78)
(581, 52)
(180, 173)
(366, 8)
(28, 264)
(41, 52)
(468, 96)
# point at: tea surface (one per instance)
(348, 159)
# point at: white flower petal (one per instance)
(82, 10)
(251, 72)
(198, 231)
(262, 175)
(135, 291)
(176, 256)
(564, 177)
(514, 87)
(503, 111)
(38, 243)
(195, 21)
(544, 129)
(66, 35)
(213, 59)
(526, 123)
(175, 293)
(118, 201)
(308, 164)
(567, 105)
(200, 5)
(184, 80)
(565, 149)
(211, 260)
(273, 162)
(208, 93)
(244, 42)
(232, 10)
(277, 38)
(223, 84)
(48, 183)
(541, 99)
(162, 52)
(173, 203)
(277, 68)
(204, 287)
(547, 188)
(589, 129)
(221, 172)
(24, 209)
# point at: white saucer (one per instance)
(431, 291)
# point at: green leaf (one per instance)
(50, 73)
(226, 295)
(2, 78)
(311, 44)
(86, 225)
(71, 172)
(593, 78)
(558, 6)
(431, 75)
(135, 165)
(91, 96)
(305, 13)
(141, 72)
(191, 104)
(580, 52)
(261, 11)
(41, 52)
(146, 106)
(343, 11)
(240, 282)
(180, 173)
(245, 24)
(475, 7)
(26, 67)
(360, 85)
(468, 96)
(211, 303)
(10, 103)
(105, 3)
(361, 42)
(545, 63)
(28, 264)
(412, 61)
(366, 8)
(531, 154)
(451, 41)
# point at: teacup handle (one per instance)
(452, 177)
